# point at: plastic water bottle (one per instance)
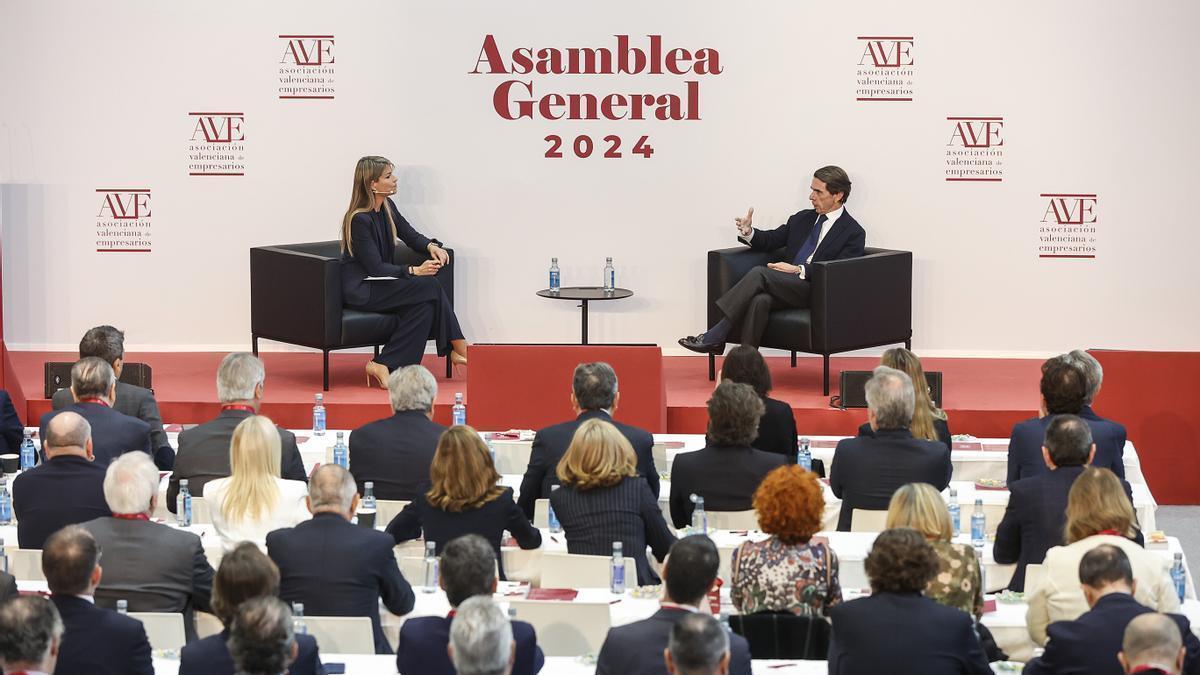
(431, 567)
(725, 622)
(955, 513)
(978, 524)
(1179, 576)
(28, 452)
(555, 276)
(319, 416)
(3, 557)
(341, 456)
(459, 411)
(982, 573)
(366, 510)
(298, 625)
(491, 450)
(617, 576)
(610, 276)
(6, 508)
(122, 606)
(555, 526)
(804, 457)
(183, 504)
(699, 517)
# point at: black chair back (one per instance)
(57, 375)
(783, 635)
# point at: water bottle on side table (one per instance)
(1179, 576)
(6, 508)
(298, 625)
(122, 606)
(319, 416)
(459, 411)
(804, 457)
(978, 524)
(555, 526)
(955, 513)
(183, 504)
(610, 276)
(366, 510)
(699, 517)
(555, 277)
(341, 455)
(431, 567)
(617, 576)
(28, 452)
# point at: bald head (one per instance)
(68, 433)
(331, 489)
(1152, 640)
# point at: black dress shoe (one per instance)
(696, 344)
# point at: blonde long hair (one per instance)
(921, 507)
(599, 456)
(1097, 502)
(368, 170)
(462, 472)
(254, 464)
(924, 411)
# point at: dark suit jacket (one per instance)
(777, 430)
(395, 452)
(423, 640)
(726, 476)
(63, 491)
(131, 400)
(867, 470)
(12, 432)
(488, 521)
(1025, 445)
(846, 239)
(374, 250)
(1089, 645)
(626, 512)
(903, 634)
(339, 569)
(113, 433)
(204, 454)
(157, 568)
(551, 443)
(8, 587)
(100, 641)
(941, 427)
(637, 648)
(211, 656)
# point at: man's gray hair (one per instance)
(261, 637)
(468, 568)
(29, 625)
(890, 396)
(595, 386)
(67, 429)
(332, 487)
(412, 388)
(130, 483)
(1092, 370)
(91, 376)
(481, 636)
(1151, 638)
(238, 375)
(697, 644)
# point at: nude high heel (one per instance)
(377, 371)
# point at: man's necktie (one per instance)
(810, 244)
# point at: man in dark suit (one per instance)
(30, 636)
(157, 568)
(395, 452)
(698, 646)
(12, 432)
(867, 470)
(335, 567)
(97, 640)
(108, 343)
(1067, 382)
(66, 489)
(467, 569)
(594, 395)
(825, 232)
(1089, 645)
(727, 471)
(204, 449)
(93, 384)
(688, 574)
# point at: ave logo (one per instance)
(885, 68)
(1068, 228)
(1070, 209)
(886, 52)
(306, 68)
(123, 220)
(124, 204)
(977, 132)
(218, 127)
(308, 50)
(975, 150)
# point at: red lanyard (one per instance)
(239, 407)
(93, 399)
(1112, 532)
(131, 516)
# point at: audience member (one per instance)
(245, 573)
(788, 571)
(1089, 644)
(262, 640)
(395, 452)
(959, 581)
(481, 639)
(929, 422)
(1067, 383)
(254, 500)
(31, 635)
(1094, 374)
(727, 471)
(93, 384)
(467, 569)
(66, 489)
(1098, 512)
(594, 395)
(689, 574)
(466, 498)
(12, 431)
(867, 470)
(777, 426)
(156, 567)
(698, 646)
(337, 568)
(1152, 646)
(97, 641)
(897, 625)
(603, 500)
(108, 343)
(204, 449)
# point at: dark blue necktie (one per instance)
(810, 244)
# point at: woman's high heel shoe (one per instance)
(377, 371)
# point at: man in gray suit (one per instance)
(108, 343)
(157, 568)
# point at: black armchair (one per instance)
(855, 303)
(296, 297)
(783, 635)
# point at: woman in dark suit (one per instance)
(928, 421)
(603, 500)
(777, 426)
(370, 229)
(464, 499)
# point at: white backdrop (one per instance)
(1096, 98)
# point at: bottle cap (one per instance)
(369, 484)
(183, 482)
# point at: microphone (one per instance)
(382, 192)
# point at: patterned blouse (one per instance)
(958, 581)
(773, 576)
